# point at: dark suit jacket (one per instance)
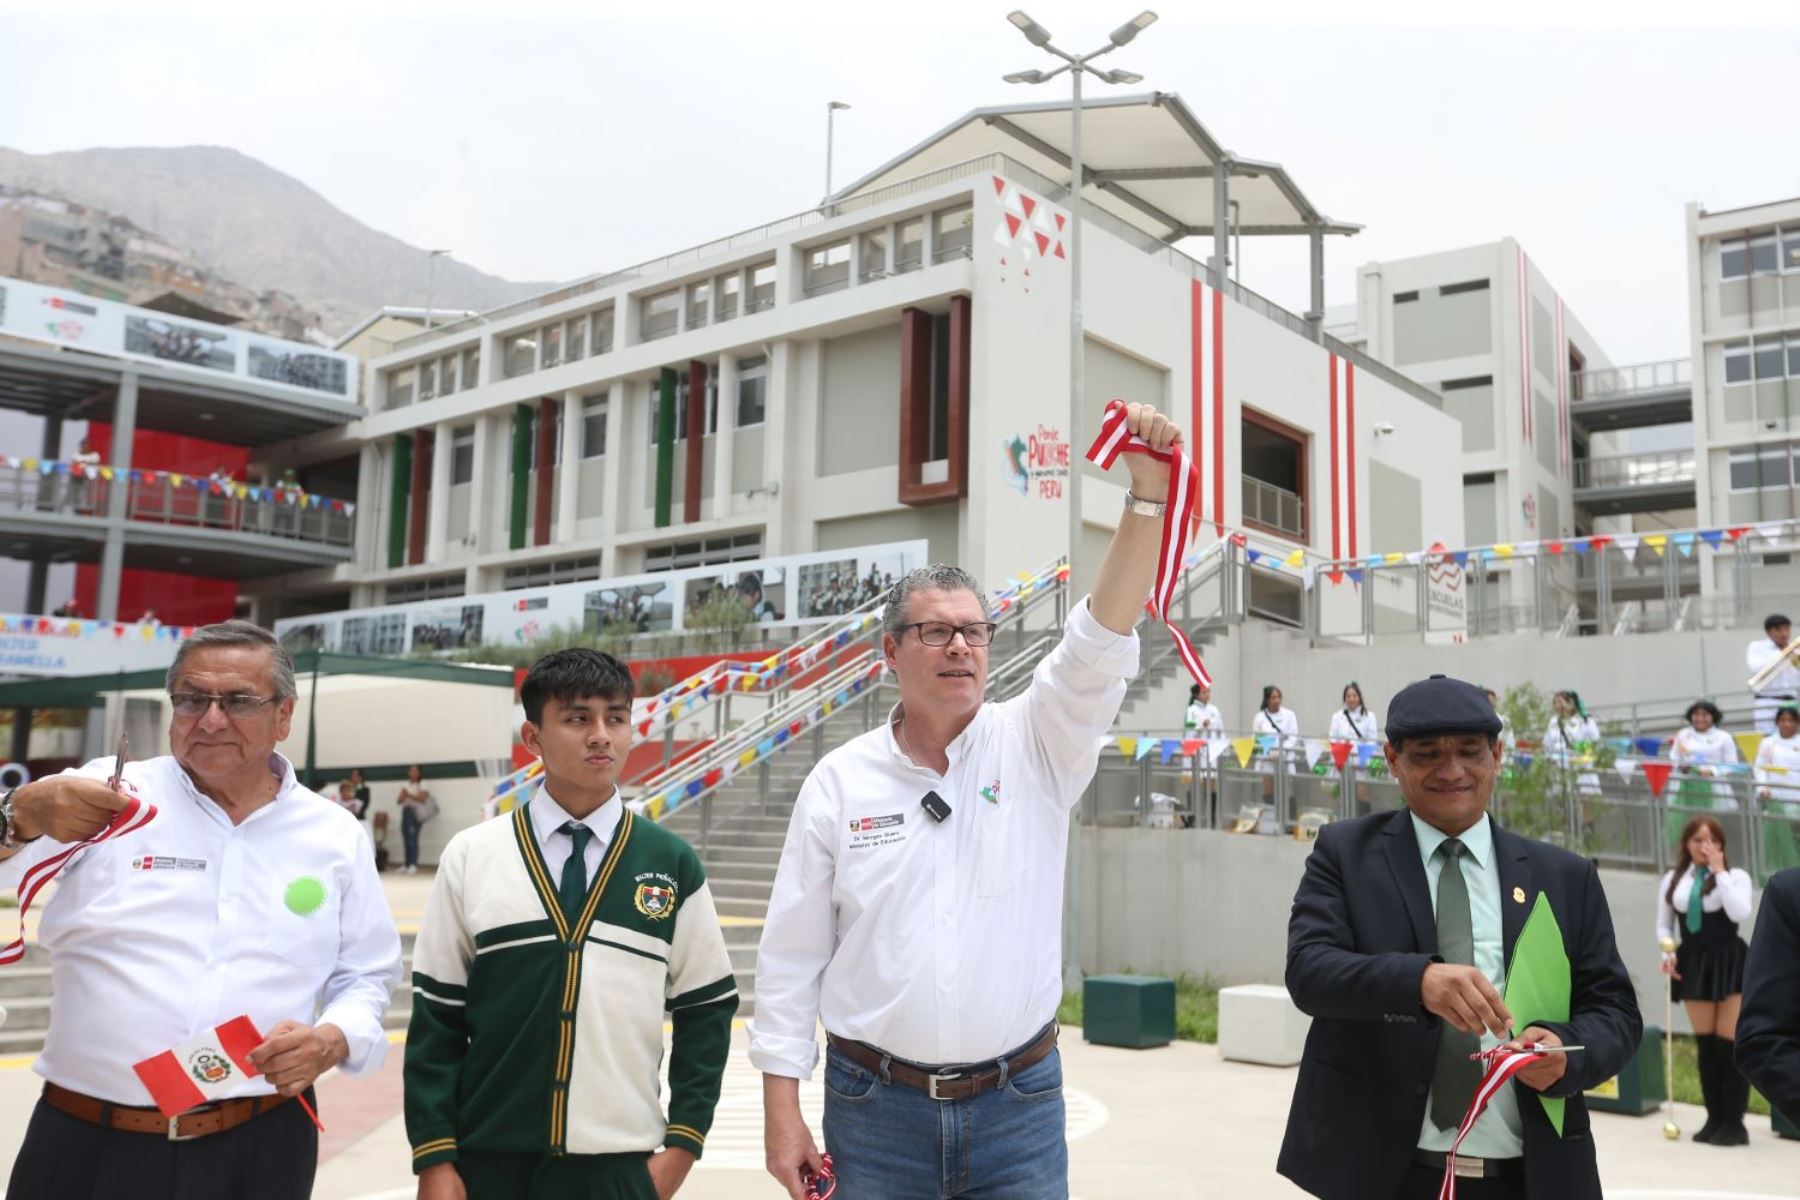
(1768, 1029)
(1361, 934)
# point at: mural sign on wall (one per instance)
(1037, 463)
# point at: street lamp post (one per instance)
(1076, 65)
(831, 112)
(431, 257)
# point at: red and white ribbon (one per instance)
(1503, 1064)
(134, 816)
(1178, 519)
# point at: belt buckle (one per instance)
(932, 1081)
(1466, 1166)
(175, 1134)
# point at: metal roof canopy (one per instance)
(1146, 159)
(51, 382)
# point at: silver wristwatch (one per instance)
(7, 841)
(1144, 508)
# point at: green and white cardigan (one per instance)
(530, 1036)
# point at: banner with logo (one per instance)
(33, 645)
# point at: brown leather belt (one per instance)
(945, 1083)
(197, 1123)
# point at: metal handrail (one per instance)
(159, 500)
(1604, 383)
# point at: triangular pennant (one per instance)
(1128, 746)
(1190, 746)
(1355, 576)
(1460, 558)
(1649, 747)
(1625, 767)
(1243, 747)
(1658, 775)
(1364, 752)
(1748, 744)
(1167, 749)
(1340, 754)
(1315, 750)
(1336, 577)
(1712, 537)
(1295, 559)
(1144, 747)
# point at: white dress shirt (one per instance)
(1281, 722)
(547, 819)
(1783, 683)
(1204, 720)
(1778, 767)
(938, 942)
(1732, 891)
(1359, 726)
(158, 936)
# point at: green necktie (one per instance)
(572, 891)
(1454, 1079)
(1697, 900)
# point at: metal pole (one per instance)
(1221, 256)
(1076, 356)
(112, 553)
(431, 258)
(1316, 318)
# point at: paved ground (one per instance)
(1172, 1122)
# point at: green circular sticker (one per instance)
(305, 896)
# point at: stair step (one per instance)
(734, 906)
(755, 871)
(24, 981)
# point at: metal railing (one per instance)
(159, 500)
(1620, 823)
(1635, 470)
(1274, 507)
(1606, 383)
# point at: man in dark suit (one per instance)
(1398, 946)
(1768, 1028)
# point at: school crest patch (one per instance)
(655, 896)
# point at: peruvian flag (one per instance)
(202, 1070)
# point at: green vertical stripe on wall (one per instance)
(665, 448)
(521, 473)
(402, 488)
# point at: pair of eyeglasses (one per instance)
(238, 705)
(940, 633)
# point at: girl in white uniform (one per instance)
(1704, 744)
(1354, 722)
(1702, 902)
(1778, 787)
(1571, 732)
(1271, 718)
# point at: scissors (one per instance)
(118, 775)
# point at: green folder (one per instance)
(1538, 984)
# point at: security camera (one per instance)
(1383, 428)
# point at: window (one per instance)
(568, 570)
(1734, 259)
(699, 301)
(909, 250)
(400, 387)
(1474, 285)
(471, 367)
(828, 268)
(1737, 362)
(1765, 353)
(575, 344)
(753, 391)
(462, 454)
(1753, 470)
(711, 552)
(447, 375)
(874, 253)
(518, 354)
(728, 288)
(1790, 249)
(762, 288)
(603, 331)
(552, 335)
(955, 233)
(427, 380)
(593, 427)
(1763, 260)
(537, 415)
(1793, 355)
(681, 394)
(662, 314)
(1405, 297)
(443, 587)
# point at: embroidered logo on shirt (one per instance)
(167, 862)
(991, 793)
(305, 895)
(655, 900)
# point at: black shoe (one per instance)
(1734, 1096)
(1731, 1133)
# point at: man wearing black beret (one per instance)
(1401, 934)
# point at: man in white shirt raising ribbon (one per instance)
(247, 895)
(917, 910)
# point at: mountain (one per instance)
(259, 227)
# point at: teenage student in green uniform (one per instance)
(555, 941)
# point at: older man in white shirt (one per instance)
(917, 910)
(247, 895)
(1783, 685)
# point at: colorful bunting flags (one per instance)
(1244, 748)
(1658, 775)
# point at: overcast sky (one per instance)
(548, 140)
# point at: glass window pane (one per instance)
(955, 232)
(1737, 362)
(662, 312)
(1767, 353)
(471, 367)
(762, 287)
(575, 344)
(752, 397)
(462, 455)
(1734, 259)
(1762, 254)
(593, 427)
(552, 345)
(603, 331)
(427, 380)
(519, 354)
(447, 375)
(911, 250)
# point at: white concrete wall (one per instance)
(1162, 902)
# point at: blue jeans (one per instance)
(891, 1142)
(409, 835)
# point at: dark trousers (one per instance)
(409, 835)
(569, 1177)
(1423, 1182)
(271, 1157)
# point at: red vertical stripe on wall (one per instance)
(1350, 449)
(546, 471)
(696, 440)
(1337, 545)
(1197, 399)
(1218, 375)
(418, 511)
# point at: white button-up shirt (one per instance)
(938, 942)
(547, 821)
(1783, 683)
(158, 936)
